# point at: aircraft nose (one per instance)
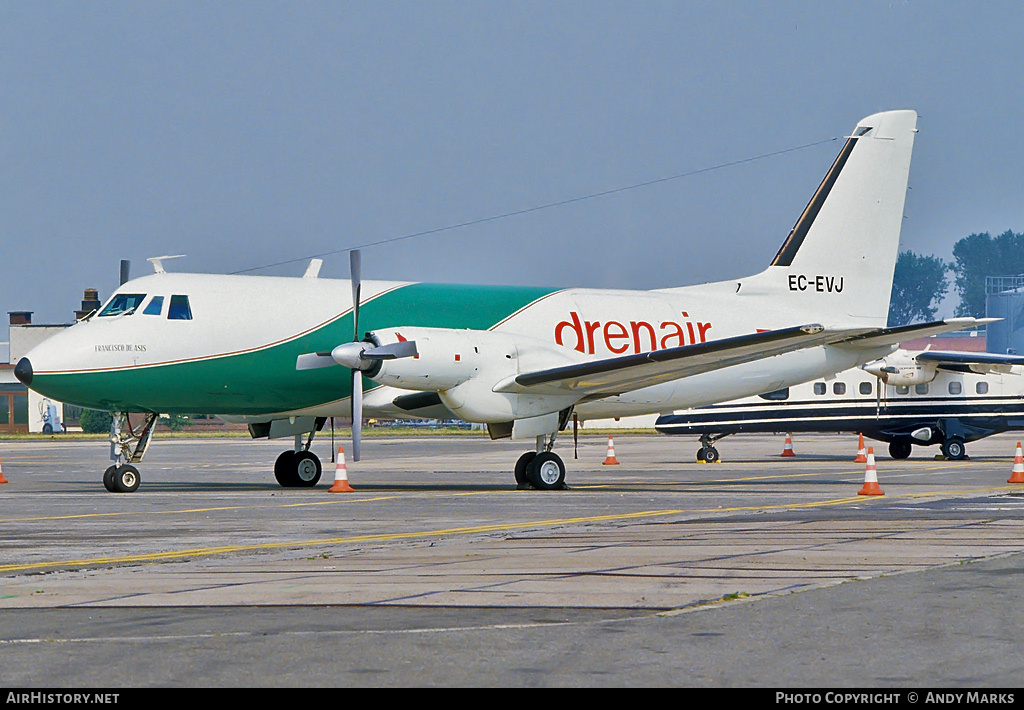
(23, 371)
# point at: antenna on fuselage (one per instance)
(126, 267)
(157, 262)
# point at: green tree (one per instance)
(918, 284)
(979, 255)
(94, 422)
(175, 422)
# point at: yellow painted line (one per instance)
(379, 537)
(495, 527)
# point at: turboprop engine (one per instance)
(466, 367)
(901, 368)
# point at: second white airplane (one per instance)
(285, 354)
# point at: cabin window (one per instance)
(865, 388)
(955, 388)
(776, 395)
(819, 388)
(902, 389)
(921, 389)
(179, 309)
(838, 388)
(122, 303)
(981, 388)
(155, 306)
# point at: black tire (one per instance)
(306, 469)
(700, 455)
(47, 428)
(126, 479)
(284, 470)
(900, 449)
(546, 472)
(710, 454)
(522, 479)
(953, 448)
(108, 479)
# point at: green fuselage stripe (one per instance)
(265, 380)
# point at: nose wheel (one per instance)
(122, 479)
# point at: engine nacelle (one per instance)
(464, 367)
(445, 358)
(901, 368)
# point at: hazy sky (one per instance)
(249, 133)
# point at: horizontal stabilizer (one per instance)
(894, 336)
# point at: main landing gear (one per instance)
(299, 467)
(542, 469)
(127, 447)
(708, 453)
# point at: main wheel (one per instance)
(546, 472)
(522, 479)
(284, 469)
(953, 448)
(307, 469)
(126, 479)
(900, 449)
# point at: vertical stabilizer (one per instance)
(837, 263)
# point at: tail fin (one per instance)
(837, 263)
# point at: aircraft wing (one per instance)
(616, 375)
(981, 363)
(613, 376)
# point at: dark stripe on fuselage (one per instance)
(993, 414)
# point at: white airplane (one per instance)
(285, 354)
(906, 398)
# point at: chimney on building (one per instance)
(20, 317)
(90, 303)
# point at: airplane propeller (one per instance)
(357, 355)
(881, 373)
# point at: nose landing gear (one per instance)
(127, 447)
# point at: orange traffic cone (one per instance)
(871, 477)
(787, 450)
(1017, 475)
(341, 475)
(610, 459)
(2, 479)
(861, 454)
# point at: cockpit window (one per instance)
(179, 309)
(123, 303)
(155, 306)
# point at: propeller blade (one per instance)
(405, 348)
(312, 361)
(878, 397)
(357, 413)
(355, 270)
